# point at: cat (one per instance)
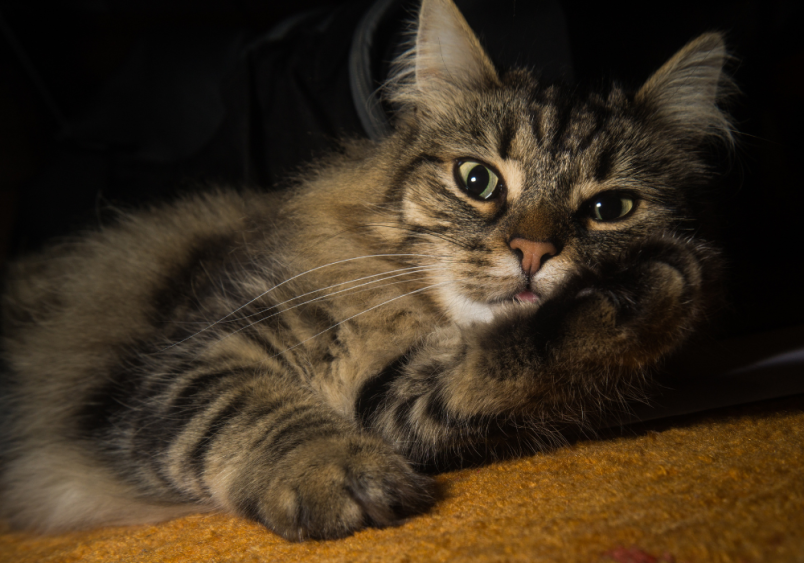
(508, 263)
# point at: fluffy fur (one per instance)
(299, 357)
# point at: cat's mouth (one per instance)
(466, 309)
(526, 296)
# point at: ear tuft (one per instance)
(687, 89)
(444, 54)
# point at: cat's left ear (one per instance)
(685, 92)
(445, 55)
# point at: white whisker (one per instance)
(321, 298)
(354, 316)
(407, 271)
(267, 291)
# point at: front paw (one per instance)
(632, 310)
(334, 486)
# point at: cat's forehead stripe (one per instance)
(507, 135)
(560, 123)
(603, 164)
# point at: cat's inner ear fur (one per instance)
(444, 54)
(686, 90)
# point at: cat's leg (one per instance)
(269, 450)
(548, 365)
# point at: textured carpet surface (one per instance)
(723, 487)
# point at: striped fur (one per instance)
(300, 357)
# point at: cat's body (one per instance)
(294, 357)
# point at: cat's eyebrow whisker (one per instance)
(360, 313)
(290, 279)
(388, 275)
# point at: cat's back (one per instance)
(87, 296)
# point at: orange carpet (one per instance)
(725, 486)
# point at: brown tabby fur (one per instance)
(297, 357)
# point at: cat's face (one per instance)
(514, 186)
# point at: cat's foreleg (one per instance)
(270, 451)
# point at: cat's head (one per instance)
(514, 185)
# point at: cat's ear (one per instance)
(444, 54)
(686, 91)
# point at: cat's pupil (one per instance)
(478, 179)
(609, 207)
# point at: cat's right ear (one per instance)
(444, 55)
(687, 90)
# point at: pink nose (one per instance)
(533, 253)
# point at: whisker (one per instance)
(411, 270)
(357, 315)
(421, 232)
(267, 291)
(383, 285)
(319, 299)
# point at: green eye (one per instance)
(611, 206)
(477, 179)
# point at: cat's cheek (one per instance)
(416, 212)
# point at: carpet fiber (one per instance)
(726, 486)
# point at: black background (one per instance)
(77, 46)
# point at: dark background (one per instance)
(78, 46)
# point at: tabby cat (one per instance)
(511, 260)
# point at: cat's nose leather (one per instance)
(533, 253)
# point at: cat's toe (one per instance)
(333, 487)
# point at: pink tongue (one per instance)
(527, 296)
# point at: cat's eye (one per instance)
(611, 206)
(479, 181)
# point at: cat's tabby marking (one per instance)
(507, 263)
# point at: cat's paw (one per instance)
(634, 309)
(334, 486)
